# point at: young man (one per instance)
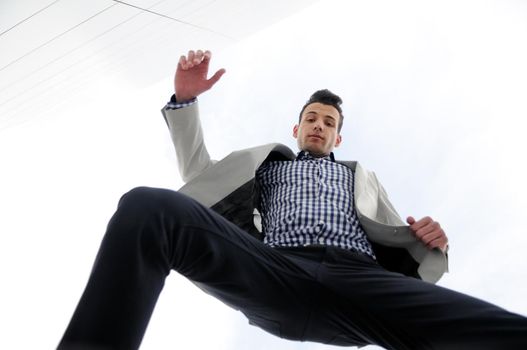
(307, 247)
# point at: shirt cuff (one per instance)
(174, 104)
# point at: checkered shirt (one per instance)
(310, 201)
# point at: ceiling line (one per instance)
(9, 86)
(54, 38)
(40, 83)
(36, 13)
(115, 3)
(175, 19)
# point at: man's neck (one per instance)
(304, 153)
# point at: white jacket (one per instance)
(228, 187)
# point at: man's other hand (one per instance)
(191, 75)
(429, 232)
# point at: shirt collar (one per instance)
(305, 155)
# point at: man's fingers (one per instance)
(199, 57)
(195, 58)
(440, 243)
(214, 79)
(421, 223)
(430, 236)
(191, 75)
(429, 232)
(436, 243)
(425, 230)
(190, 59)
(183, 62)
(207, 55)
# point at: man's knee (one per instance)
(147, 213)
(141, 202)
(155, 219)
(148, 199)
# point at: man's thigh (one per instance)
(272, 288)
(362, 301)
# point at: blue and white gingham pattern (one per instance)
(173, 104)
(310, 201)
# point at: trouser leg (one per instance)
(361, 299)
(125, 281)
(325, 295)
(156, 230)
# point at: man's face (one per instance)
(317, 132)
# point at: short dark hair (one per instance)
(325, 97)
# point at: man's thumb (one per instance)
(410, 220)
(214, 79)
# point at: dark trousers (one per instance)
(320, 294)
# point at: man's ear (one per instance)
(295, 131)
(338, 140)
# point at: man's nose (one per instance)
(317, 126)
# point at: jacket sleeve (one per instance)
(187, 136)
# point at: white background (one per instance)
(434, 102)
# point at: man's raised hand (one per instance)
(191, 75)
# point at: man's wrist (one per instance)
(182, 98)
(174, 103)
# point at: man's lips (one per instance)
(316, 136)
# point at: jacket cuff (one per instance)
(174, 104)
